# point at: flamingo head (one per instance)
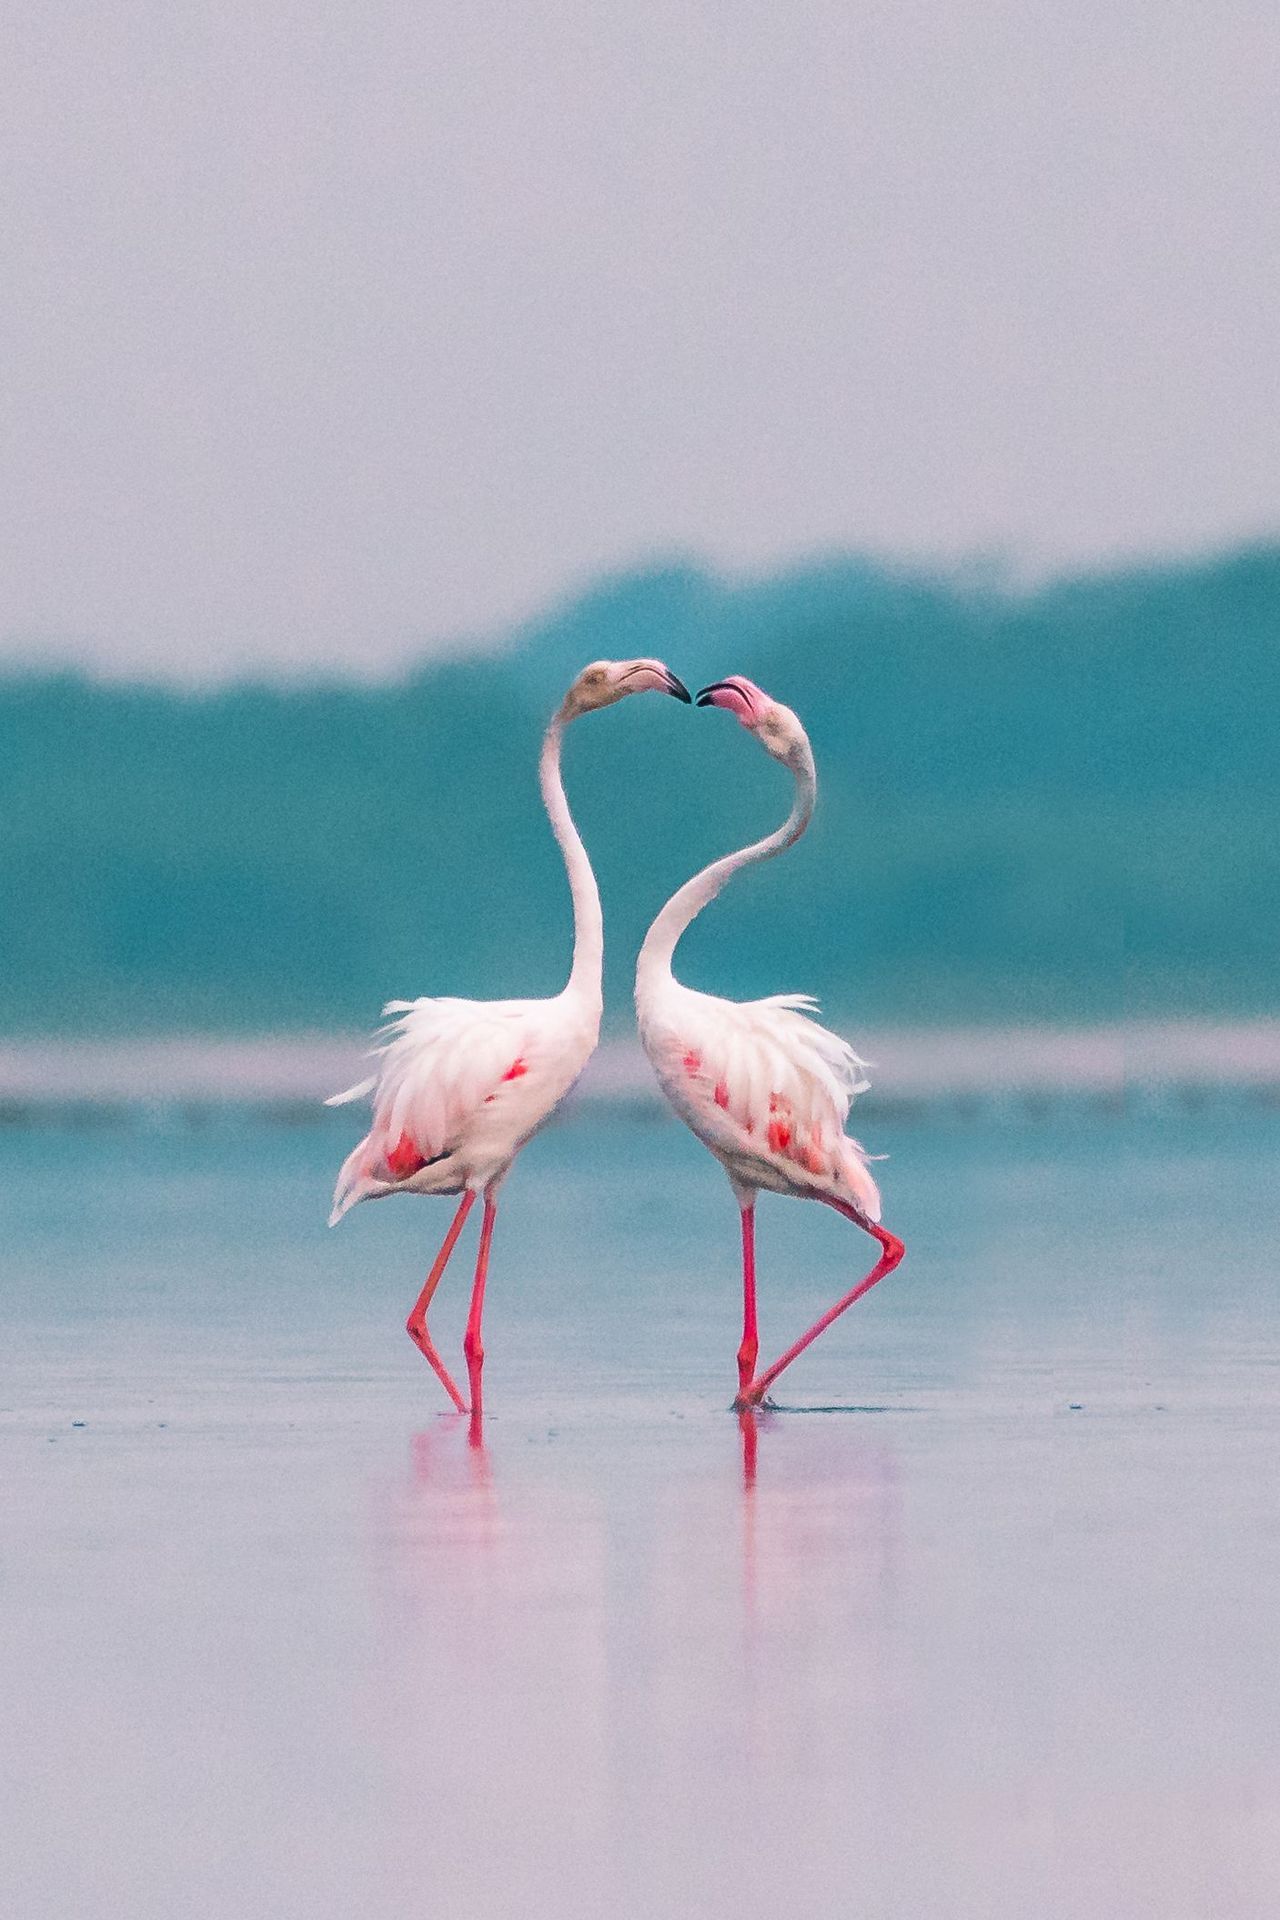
(605, 681)
(776, 728)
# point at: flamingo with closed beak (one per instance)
(461, 1085)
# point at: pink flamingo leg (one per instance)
(416, 1324)
(893, 1251)
(473, 1344)
(749, 1351)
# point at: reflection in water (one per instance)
(599, 1660)
(434, 1457)
(719, 1669)
(748, 1427)
(1008, 1656)
(497, 1594)
(820, 1549)
(832, 1510)
(750, 1420)
(450, 1502)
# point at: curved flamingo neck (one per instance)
(585, 979)
(654, 962)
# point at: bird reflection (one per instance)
(819, 1527)
(436, 1457)
(750, 1421)
(451, 1493)
(749, 1428)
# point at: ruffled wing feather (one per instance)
(777, 1082)
(439, 1062)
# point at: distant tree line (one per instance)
(1051, 804)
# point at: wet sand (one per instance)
(992, 1635)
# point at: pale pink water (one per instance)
(278, 1641)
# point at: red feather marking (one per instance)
(722, 1094)
(404, 1158)
(780, 1125)
(813, 1156)
(693, 1062)
(516, 1071)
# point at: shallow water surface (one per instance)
(980, 1624)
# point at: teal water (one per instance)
(992, 1636)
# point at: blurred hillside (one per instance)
(1045, 806)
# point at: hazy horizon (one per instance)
(993, 578)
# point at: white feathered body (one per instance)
(763, 1086)
(460, 1086)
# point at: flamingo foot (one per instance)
(892, 1251)
(754, 1402)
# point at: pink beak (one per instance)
(737, 696)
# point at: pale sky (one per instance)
(337, 330)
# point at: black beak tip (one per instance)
(705, 693)
(679, 689)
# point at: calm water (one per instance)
(993, 1635)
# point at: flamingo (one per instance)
(462, 1084)
(759, 1082)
